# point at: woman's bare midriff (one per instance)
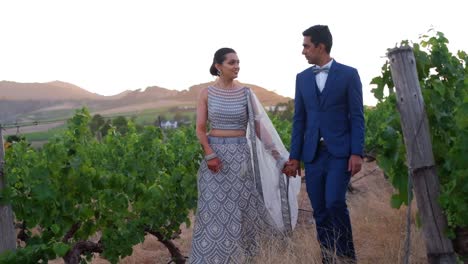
(226, 133)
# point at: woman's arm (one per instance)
(261, 129)
(202, 117)
(213, 162)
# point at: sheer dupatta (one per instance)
(269, 155)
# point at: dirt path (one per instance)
(33, 128)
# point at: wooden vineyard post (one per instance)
(7, 228)
(420, 158)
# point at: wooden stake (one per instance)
(420, 158)
(7, 228)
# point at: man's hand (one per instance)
(214, 165)
(291, 168)
(354, 164)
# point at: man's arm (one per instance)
(292, 167)
(299, 119)
(356, 112)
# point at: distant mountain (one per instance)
(32, 101)
(156, 97)
(149, 94)
(55, 90)
(119, 96)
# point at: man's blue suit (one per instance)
(336, 116)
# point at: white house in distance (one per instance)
(271, 108)
(169, 124)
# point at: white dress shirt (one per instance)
(321, 77)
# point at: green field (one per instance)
(44, 135)
(146, 117)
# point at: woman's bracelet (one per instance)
(211, 156)
(269, 146)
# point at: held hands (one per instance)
(292, 168)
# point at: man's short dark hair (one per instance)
(320, 34)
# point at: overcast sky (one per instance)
(107, 47)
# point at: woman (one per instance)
(243, 196)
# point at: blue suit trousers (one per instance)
(327, 179)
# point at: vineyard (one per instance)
(76, 188)
(82, 194)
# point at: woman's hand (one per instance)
(214, 165)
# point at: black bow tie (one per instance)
(317, 69)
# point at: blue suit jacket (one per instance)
(338, 117)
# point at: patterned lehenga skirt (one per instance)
(231, 218)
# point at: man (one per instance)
(328, 136)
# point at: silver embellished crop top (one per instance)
(227, 109)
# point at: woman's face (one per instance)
(230, 66)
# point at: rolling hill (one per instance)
(22, 102)
(56, 90)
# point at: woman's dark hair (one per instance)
(320, 34)
(219, 57)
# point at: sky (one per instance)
(107, 47)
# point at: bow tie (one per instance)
(317, 69)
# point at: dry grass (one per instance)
(379, 231)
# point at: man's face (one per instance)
(310, 51)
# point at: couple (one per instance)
(246, 183)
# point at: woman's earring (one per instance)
(219, 73)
